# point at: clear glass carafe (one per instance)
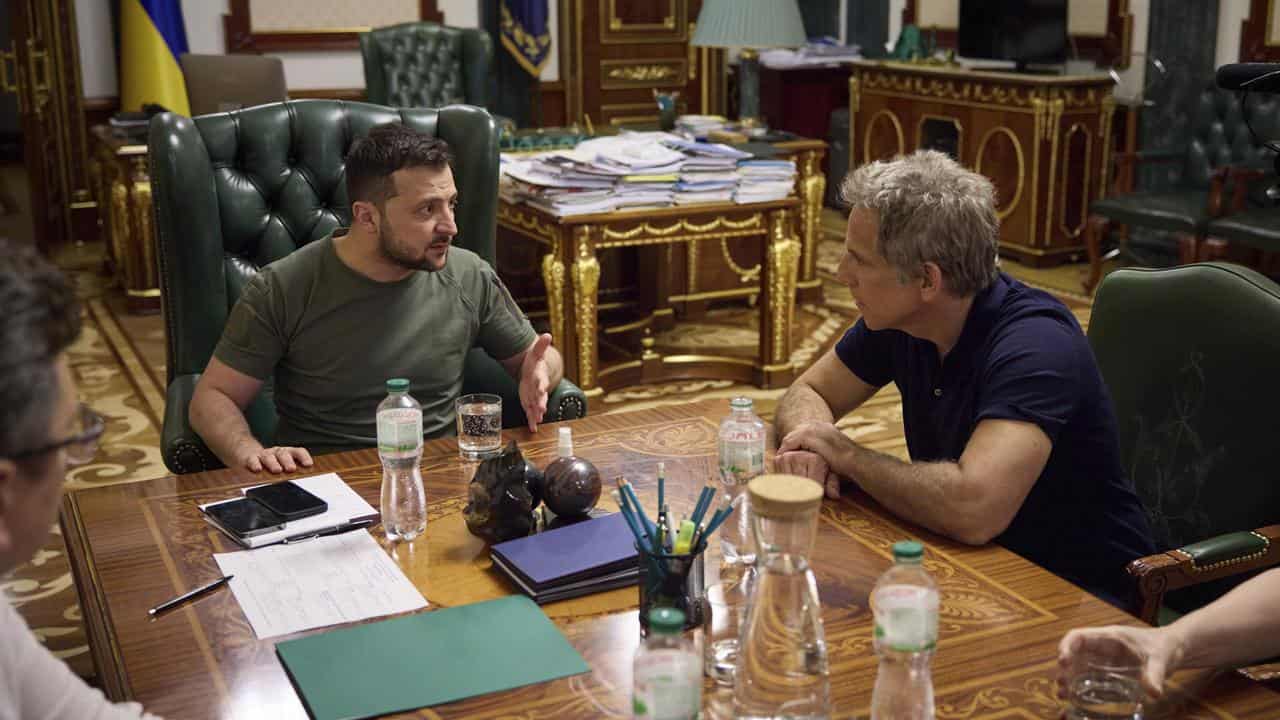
(782, 657)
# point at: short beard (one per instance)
(390, 250)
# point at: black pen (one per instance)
(335, 530)
(170, 604)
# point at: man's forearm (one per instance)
(1242, 626)
(932, 494)
(801, 404)
(222, 426)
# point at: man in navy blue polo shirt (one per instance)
(1010, 428)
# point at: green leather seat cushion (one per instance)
(1177, 211)
(1258, 228)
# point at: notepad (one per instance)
(596, 549)
(428, 659)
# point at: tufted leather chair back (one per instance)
(1219, 136)
(235, 191)
(423, 64)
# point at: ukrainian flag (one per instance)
(152, 37)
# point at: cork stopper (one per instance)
(783, 495)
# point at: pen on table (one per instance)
(169, 604)
(335, 530)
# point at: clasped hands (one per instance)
(806, 451)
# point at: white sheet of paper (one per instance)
(327, 581)
(345, 505)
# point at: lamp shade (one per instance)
(749, 24)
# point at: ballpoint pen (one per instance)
(170, 604)
(335, 530)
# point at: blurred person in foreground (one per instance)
(43, 430)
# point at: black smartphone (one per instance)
(244, 517)
(288, 500)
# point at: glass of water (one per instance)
(1105, 689)
(479, 426)
(727, 609)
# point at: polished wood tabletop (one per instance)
(136, 545)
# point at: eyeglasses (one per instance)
(81, 446)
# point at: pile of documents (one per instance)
(641, 169)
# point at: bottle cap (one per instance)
(666, 621)
(564, 444)
(908, 551)
(741, 403)
(397, 385)
(783, 495)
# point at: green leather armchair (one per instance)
(1189, 355)
(1219, 143)
(235, 191)
(423, 64)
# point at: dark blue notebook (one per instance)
(592, 548)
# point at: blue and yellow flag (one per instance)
(152, 38)
(524, 33)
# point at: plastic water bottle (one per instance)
(904, 603)
(742, 442)
(404, 503)
(667, 675)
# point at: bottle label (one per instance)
(400, 432)
(906, 618)
(741, 457)
(667, 685)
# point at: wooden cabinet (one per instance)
(1045, 141)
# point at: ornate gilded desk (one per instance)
(123, 184)
(571, 272)
(1001, 619)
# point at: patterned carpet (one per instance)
(119, 365)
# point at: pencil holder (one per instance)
(671, 580)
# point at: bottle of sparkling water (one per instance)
(742, 442)
(904, 603)
(404, 503)
(667, 675)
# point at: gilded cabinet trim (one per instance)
(783, 256)
(553, 279)
(871, 124)
(1022, 166)
(644, 73)
(1085, 179)
(586, 285)
(1108, 112)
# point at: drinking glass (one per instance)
(726, 605)
(479, 426)
(1104, 688)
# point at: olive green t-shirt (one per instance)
(331, 337)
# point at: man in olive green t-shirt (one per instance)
(336, 318)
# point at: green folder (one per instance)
(427, 659)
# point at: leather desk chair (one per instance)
(1189, 355)
(1220, 141)
(218, 83)
(424, 64)
(235, 191)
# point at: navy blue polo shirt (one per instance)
(1022, 356)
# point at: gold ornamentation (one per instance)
(668, 22)
(855, 96)
(1012, 205)
(1108, 111)
(145, 239)
(642, 73)
(813, 185)
(897, 128)
(755, 222)
(120, 228)
(1052, 121)
(952, 89)
(543, 232)
(586, 283)
(783, 256)
(553, 279)
(744, 274)
(1084, 179)
(691, 260)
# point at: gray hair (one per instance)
(41, 318)
(931, 210)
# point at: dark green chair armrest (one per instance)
(182, 448)
(1206, 561)
(483, 374)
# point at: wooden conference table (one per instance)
(133, 546)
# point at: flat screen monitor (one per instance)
(1022, 31)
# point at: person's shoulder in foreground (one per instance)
(42, 429)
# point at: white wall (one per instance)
(203, 19)
(1230, 14)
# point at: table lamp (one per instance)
(749, 25)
